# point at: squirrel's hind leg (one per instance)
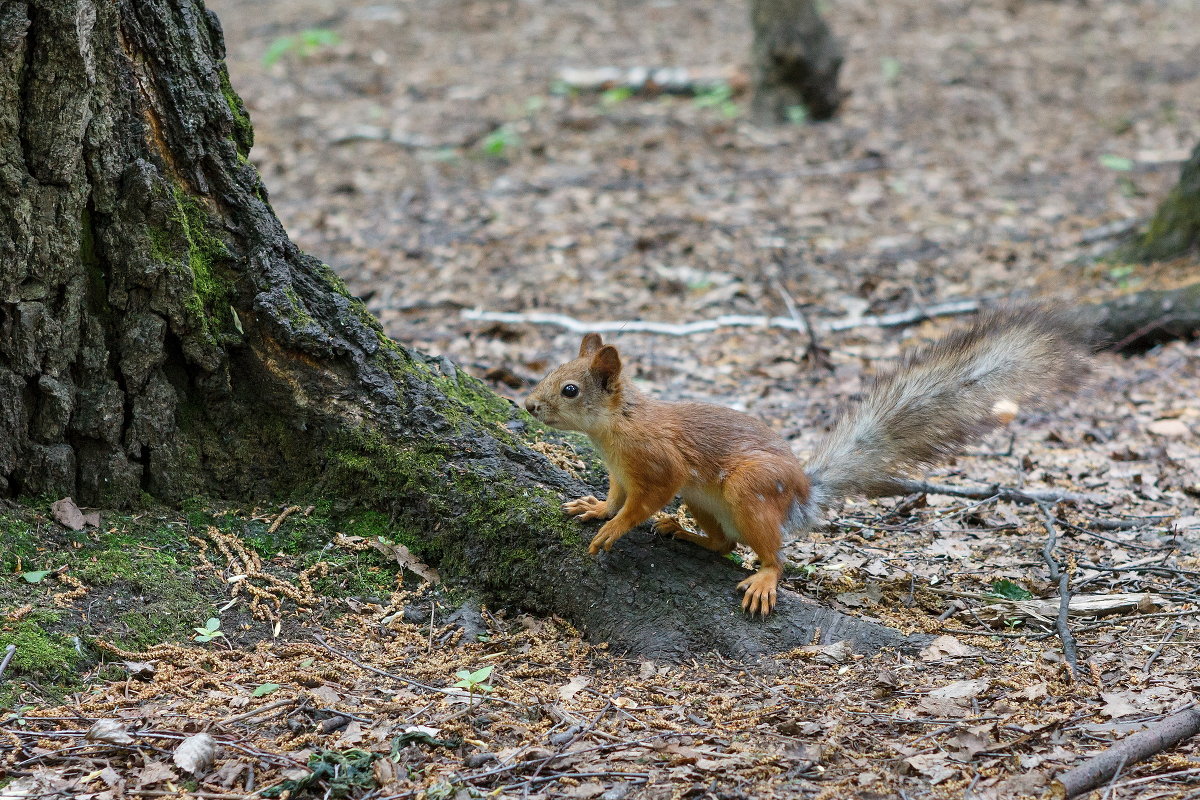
(713, 536)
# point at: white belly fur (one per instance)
(715, 506)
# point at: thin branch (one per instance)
(9, 652)
(995, 490)
(953, 308)
(1064, 592)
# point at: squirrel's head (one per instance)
(582, 394)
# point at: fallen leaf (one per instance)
(195, 754)
(946, 646)
(1117, 704)
(67, 514)
(568, 690)
(961, 689)
(108, 731)
(1172, 428)
(154, 772)
(934, 766)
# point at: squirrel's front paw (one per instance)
(602, 541)
(587, 508)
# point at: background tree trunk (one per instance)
(161, 337)
(1175, 228)
(796, 61)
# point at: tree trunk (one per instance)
(160, 337)
(1175, 228)
(796, 62)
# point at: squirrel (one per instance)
(740, 479)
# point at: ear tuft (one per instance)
(590, 344)
(606, 367)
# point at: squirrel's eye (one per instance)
(570, 390)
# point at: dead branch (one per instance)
(1011, 494)
(652, 80)
(900, 318)
(1059, 573)
(1138, 747)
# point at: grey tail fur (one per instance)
(941, 398)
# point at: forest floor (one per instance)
(426, 150)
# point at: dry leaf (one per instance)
(154, 772)
(568, 690)
(195, 754)
(1117, 704)
(108, 731)
(961, 689)
(946, 646)
(1171, 428)
(67, 514)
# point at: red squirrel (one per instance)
(742, 482)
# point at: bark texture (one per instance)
(796, 61)
(1136, 322)
(1175, 228)
(161, 337)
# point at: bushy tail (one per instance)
(947, 395)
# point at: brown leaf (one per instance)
(108, 731)
(154, 772)
(67, 514)
(568, 690)
(196, 753)
(946, 646)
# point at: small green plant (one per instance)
(719, 96)
(615, 96)
(265, 689)
(1116, 163)
(500, 141)
(210, 631)
(797, 115)
(474, 681)
(302, 45)
(890, 68)
(1121, 274)
(1004, 588)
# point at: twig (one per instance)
(1064, 592)
(816, 355)
(1131, 750)
(1011, 494)
(9, 652)
(384, 673)
(1159, 649)
(952, 308)
(1112, 230)
(254, 712)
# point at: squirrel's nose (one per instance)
(531, 405)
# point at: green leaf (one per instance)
(213, 624)
(480, 675)
(1010, 591)
(265, 689)
(36, 577)
(1116, 163)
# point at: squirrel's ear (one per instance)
(590, 344)
(606, 366)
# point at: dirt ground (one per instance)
(426, 151)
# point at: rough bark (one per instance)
(1175, 227)
(161, 337)
(1136, 322)
(796, 61)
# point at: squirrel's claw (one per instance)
(760, 593)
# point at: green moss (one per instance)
(243, 131)
(40, 652)
(1175, 228)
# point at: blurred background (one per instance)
(436, 154)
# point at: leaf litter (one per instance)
(976, 157)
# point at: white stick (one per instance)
(952, 308)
